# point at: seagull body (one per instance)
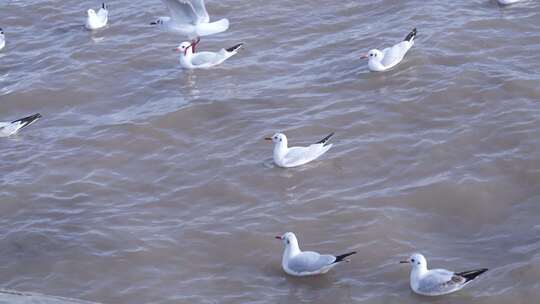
(389, 57)
(2, 39)
(286, 157)
(97, 20)
(203, 60)
(505, 2)
(11, 128)
(437, 282)
(305, 263)
(190, 18)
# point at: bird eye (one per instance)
(412, 260)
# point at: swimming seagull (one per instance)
(97, 20)
(11, 128)
(436, 282)
(203, 60)
(190, 18)
(2, 39)
(389, 57)
(295, 156)
(304, 263)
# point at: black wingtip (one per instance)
(326, 139)
(411, 35)
(26, 121)
(341, 258)
(103, 5)
(235, 47)
(472, 274)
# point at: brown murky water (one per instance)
(144, 183)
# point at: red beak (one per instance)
(268, 138)
(278, 237)
(365, 56)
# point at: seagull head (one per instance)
(183, 47)
(416, 260)
(278, 138)
(91, 12)
(1, 32)
(288, 238)
(373, 55)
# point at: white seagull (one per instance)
(505, 2)
(437, 282)
(203, 60)
(11, 128)
(97, 20)
(2, 39)
(304, 263)
(190, 18)
(286, 157)
(389, 57)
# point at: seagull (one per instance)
(190, 18)
(389, 57)
(286, 157)
(437, 282)
(11, 128)
(506, 2)
(97, 20)
(305, 263)
(2, 39)
(203, 60)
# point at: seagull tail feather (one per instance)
(26, 121)
(235, 47)
(341, 258)
(326, 139)
(472, 274)
(411, 36)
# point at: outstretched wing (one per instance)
(200, 10)
(182, 12)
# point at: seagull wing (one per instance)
(205, 58)
(103, 14)
(395, 54)
(309, 261)
(182, 12)
(4, 131)
(440, 281)
(200, 10)
(7, 129)
(297, 156)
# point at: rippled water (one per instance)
(144, 183)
